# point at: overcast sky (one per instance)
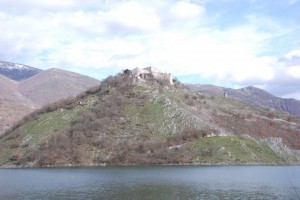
(231, 43)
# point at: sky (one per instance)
(229, 43)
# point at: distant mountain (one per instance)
(30, 92)
(17, 71)
(253, 96)
(54, 84)
(13, 106)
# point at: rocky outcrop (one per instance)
(276, 144)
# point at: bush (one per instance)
(15, 145)
(15, 157)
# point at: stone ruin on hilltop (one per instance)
(150, 72)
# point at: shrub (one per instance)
(15, 157)
(270, 115)
(15, 145)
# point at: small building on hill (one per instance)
(151, 72)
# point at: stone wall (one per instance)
(143, 73)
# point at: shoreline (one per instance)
(153, 165)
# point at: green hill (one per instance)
(150, 122)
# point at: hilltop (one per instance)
(142, 118)
(24, 89)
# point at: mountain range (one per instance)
(134, 120)
(16, 71)
(253, 96)
(24, 89)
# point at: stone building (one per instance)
(150, 72)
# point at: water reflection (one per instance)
(150, 183)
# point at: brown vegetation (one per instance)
(93, 127)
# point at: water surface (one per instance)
(165, 182)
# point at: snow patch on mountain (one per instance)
(17, 71)
(12, 66)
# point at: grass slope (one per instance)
(232, 149)
(33, 134)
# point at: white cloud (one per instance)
(213, 54)
(291, 62)
(172, 35)
(135, 15)
(186, 10)
(294, 71)
(293, 54)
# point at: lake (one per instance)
(152, 182)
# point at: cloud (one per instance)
(182, 37)
(135, 15)
(286, 79)
(109, 29)
(185, 10)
